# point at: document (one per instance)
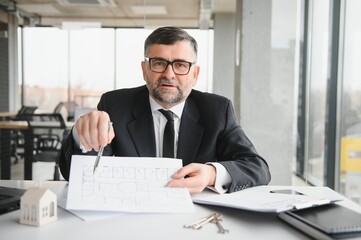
(271, 198)
(87, 215)
(126, 184)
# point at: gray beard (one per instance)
(160, 96)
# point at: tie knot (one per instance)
(168, 114)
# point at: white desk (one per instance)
(241, 224)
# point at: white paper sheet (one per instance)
(126, 184)
(260, 199)
(86, 215)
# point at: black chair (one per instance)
(48, 132)
(66, 108)
(25, 110)
(17, 138)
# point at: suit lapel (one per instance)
(190, 133)
(142, 129)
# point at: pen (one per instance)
(101, 149)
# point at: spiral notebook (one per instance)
(325, 222)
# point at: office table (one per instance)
(5, 145)
(241, 224)
(6, 115)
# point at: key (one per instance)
(194, 223)
(217, 221)
(199, 223)
(207, 220)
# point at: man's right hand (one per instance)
(93, 130)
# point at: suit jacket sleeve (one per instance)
(120, 105)
(69, 148)
(209, 132)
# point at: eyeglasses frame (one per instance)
(169, 63)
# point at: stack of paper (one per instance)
(271, 199)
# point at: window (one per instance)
(350, 111)
(79, 65)
(316, 90)
(333, 104)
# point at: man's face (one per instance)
(168, 88)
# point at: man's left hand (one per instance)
(194, 176)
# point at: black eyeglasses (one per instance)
(159, 65)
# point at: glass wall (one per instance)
(316, 90)
(350, 111)
(77, 66)
(45, 68)
(90, 64)
(346, 177)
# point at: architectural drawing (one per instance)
(127, 185)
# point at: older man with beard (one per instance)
(214, 149)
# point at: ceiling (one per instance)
(120, 13)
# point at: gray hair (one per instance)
(168, 36)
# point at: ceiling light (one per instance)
(38, 8)
(149, 10)
(98, 3)
(80, 25)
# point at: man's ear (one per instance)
(196, 74)
(143, 65)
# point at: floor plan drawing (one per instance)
(126, 184)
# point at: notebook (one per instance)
(10, 199)
(325, 222)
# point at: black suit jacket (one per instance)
(208, 132)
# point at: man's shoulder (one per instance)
(124, 98)
(126, 92)
(205, 97)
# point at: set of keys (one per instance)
(213, 218)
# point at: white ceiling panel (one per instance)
(121, 13)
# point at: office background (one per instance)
(290, 67)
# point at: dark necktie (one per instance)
(168, 136)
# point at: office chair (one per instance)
(48, 131)
(69, 108)
(17, 138)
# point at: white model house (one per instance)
(38, 206)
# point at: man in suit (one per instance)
(215, 151)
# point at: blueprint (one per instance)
(126, 184)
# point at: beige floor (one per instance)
(41, 170)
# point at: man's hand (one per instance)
(93, 130)
(194, 176)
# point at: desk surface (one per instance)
(241, 224)
(25, 125)
(7, 114)
(13, 125)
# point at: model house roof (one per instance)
(34, 194)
